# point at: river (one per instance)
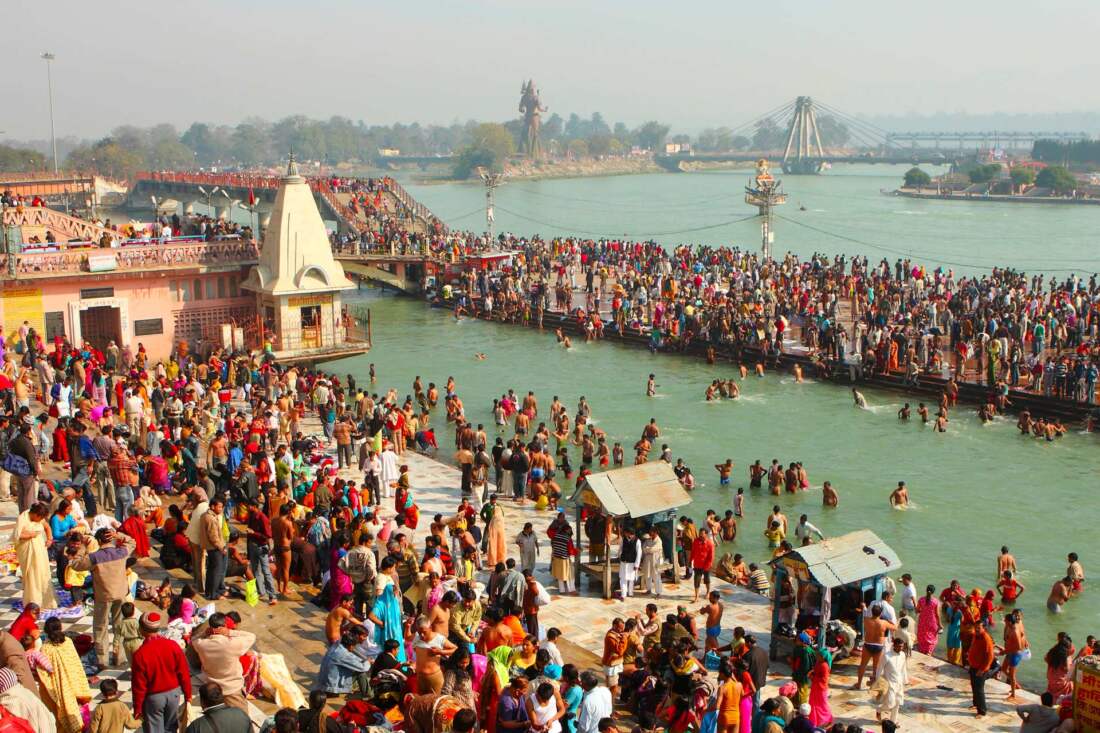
(973, 489)
(844, 212)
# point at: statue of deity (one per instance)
(532, 110)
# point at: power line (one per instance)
(904, 253)
(625, 234)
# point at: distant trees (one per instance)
(1022, 176)
(1082, 152)
(1057, 178)
(767, 135)
(984, 173)
(21, 160)
(915, 178)
(490, 145)
(257, 142)
(833, 132)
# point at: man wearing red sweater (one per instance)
(160, 675)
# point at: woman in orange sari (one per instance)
(892, 361)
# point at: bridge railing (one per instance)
(414, 207)
(80, 257)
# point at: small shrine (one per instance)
(298, 283)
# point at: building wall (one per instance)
(158, 312)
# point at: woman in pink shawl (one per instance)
(928, 621)
(339, 584)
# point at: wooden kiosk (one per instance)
(831, 580)
(637, 496)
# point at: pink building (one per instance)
(155, 294)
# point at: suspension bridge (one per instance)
(808, 136)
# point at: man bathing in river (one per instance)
(899, 497)
(860, 400)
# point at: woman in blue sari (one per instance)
(386, 612)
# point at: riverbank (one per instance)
(937, 195)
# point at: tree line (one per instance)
(1081, 152)
(253, 142)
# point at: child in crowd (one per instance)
(112, 715)
(127, 630)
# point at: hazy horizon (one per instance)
(702, 64)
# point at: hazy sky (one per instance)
(692, 64)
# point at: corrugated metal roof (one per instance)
(636, 491)
(846, 559)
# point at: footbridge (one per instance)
(403, 273)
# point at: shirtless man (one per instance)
(530, 404)
(651, 386)
(904, 412)
(617, 454)
(1059, 594)
(922, 410)
(900, 496)
(440, 615)
(727, 528)
(756, 474)
(941, 423)
(724, 470)
(797, 373)
(337, 617)
(860, 400)
(496, 634)
(641, 451)
(874, 638)
(777, 516)
(1006, 563)
(651, 432)
(713, 611)
(430, 647)
(829, 497)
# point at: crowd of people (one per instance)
(214, 461)
(1004, 330)
(232, 468)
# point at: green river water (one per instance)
(973, 489)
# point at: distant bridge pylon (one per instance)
(795, 134)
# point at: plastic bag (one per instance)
(251, 594)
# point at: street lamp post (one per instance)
(48, 58)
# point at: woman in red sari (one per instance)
(134, 526)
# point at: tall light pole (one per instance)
(48, 58)
(491, 180)
(764, 192)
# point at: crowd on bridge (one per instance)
(1005, 330)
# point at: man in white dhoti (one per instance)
(890, 681)
(652, 558)
(390, 472)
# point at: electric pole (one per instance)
(491, 180)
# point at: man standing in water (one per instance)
(1059, 594)
(651, 386)
(860, 400)
(829, 497)
(1006, 563)
(899, 497)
